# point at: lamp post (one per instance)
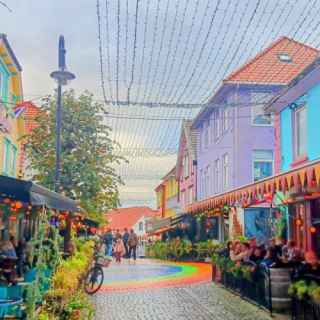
(62, 76)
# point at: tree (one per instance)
(87, 156)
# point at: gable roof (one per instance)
(305, 80)
(170, 174)
(4, 40)
(191, 141)
(127, 217)
(267, 68)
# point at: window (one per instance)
(206, 134)
(284, 57)
(200, 184)
(216, 176)
(262, 164)
(208, 181)
(9, 158)
(300, 132)
(186, 165)
(216, 124)
(140, 226)
(258, 115)
(225, 122)
(183, 198)
(204, 178)
(225, 171)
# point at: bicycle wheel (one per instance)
(94, 280)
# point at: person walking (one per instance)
(133, 242)
(119, 249)
(108, 239)
(125, 239)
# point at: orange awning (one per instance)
(303, 176)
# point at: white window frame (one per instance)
(262, 160)
(217, 175)
(225, 120)
(183, 198)
(208, 191)
(186, 164)
(139, 227)
(254, 107)
(217, 125)
(206, 134)
(300, 109)
(225, 171)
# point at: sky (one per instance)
(174, 52)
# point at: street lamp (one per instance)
(62, 76)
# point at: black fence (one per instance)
(305, 310)
(257, 289)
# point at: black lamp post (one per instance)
(62, 76)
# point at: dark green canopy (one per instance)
(27, 191)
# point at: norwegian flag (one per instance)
(18, 111)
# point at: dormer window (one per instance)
(284, 57)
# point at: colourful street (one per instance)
(161, 290)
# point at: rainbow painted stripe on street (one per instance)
(154, 275)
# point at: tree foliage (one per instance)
(88, 159)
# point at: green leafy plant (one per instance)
(89, 159)
(299, 289)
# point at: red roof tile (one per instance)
(266, 67)
(127, 217)
(30, 114)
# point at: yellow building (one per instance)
(11, 121)
(167, 195)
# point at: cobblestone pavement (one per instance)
(202, 301)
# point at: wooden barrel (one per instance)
(280, 282)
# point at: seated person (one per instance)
(310, 267)
(270, 260)
(7, 249)
(243, 255)
(9, 257)
(292, 254)
(257, 255)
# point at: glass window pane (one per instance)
(262, 169)
(301, 132)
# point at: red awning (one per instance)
(303, 176)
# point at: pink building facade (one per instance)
(186, 172)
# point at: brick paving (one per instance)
(181, 301)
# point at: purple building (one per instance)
(236, 136)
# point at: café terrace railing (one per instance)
(306, 309)
(257, 290)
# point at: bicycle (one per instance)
(95, 276)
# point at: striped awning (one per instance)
(306, 176)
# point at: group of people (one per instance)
(120, 245)
(275, 253)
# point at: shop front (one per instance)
(29, 242)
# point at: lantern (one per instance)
(298, 222)
(313, 229)
(18, 204)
